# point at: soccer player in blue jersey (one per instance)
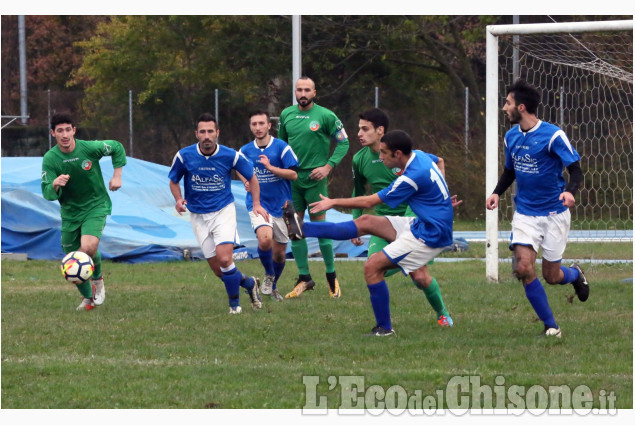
(369, 170)
(413, 241)
(535, 154)
(275, 166)
(206, 169)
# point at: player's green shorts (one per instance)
(304, 190)
(72, 231)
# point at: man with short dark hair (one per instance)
(535, 154)
(413, 241)
(275, 166)
(71, 175)
(206, 168)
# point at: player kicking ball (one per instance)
(71, 175)
(423, 187)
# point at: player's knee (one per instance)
(90, 250)
(552, 278)
(522, 269)
(371, 271)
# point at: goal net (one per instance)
(584, 71)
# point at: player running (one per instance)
(206, 169)
(535, 154)
(71, 175)
(275, 166)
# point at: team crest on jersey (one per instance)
(397, 171)
(86, 164)
(341, 135)
(314, 126)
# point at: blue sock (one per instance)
(232, 280)
(570, 275)
(277, 267)
(266, 258)
(538, 299)
(380, 300)
(324, 229)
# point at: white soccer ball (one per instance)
(77, 267)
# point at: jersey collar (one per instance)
(198, 149)
(266, 146)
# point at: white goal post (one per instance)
(549, 70)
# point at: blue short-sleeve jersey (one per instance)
(274, 190)
(207, 179)
(538, 158)
(423, 187)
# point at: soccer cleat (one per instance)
(555, 332)
(86, 304)
(300, 287)
(580, 285)
(445, 321)
(276, 296)
(335, 292)
(254, 294)
(235, 310)
(379, 331)
(99, 289)
(267, 285)
(293, 221)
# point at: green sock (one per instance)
(86, 289)
(326, 248)
(433, 294)
(97, 263)
(300, 251)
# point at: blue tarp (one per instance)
(143, 227)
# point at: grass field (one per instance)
(163, 338)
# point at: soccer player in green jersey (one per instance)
(309, 129)
(369, 170)
(71, 175)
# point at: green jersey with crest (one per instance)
(309, 133)
(85, 191)
(369, 170)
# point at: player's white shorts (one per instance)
(407, 251)
(214, 228)
(280, 232)
(549, 232)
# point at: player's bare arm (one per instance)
(284, 173)
(255, 194)
(115, 181)
(180, 202)
(320, 173)
(368, 201)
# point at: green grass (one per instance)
(163, 338)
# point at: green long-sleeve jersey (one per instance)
(369, 169)
(309, 133)
(85, 191)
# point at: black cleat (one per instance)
(293, 221)
(580, 285)
(379, 331)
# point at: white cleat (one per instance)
(99, 291)
(235, 310)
